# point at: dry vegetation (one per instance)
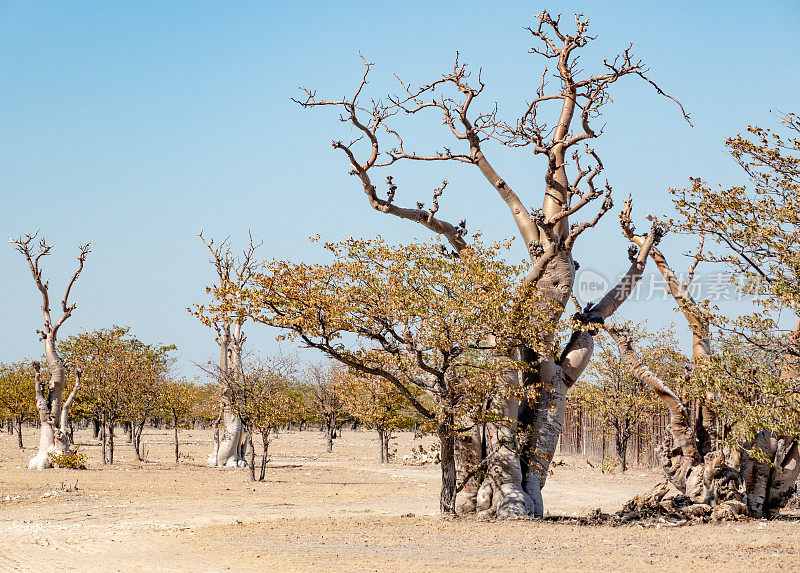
(342, 510)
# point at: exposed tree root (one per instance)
(660, 508)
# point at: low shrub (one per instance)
(72, 460)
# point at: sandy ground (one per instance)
(342, 510)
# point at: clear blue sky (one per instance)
(135, 125)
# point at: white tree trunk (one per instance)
(54, 437)
(228, 450)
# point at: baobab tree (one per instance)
(53, 408)
(232, 271)
(547, 232)
(752, 378)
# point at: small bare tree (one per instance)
(53, 408)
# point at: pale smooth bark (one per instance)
(706, 419)
(53, 437)
(53, 409)
(229, 447)
(716, 478)
(235, 271)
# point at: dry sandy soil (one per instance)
(342, 511)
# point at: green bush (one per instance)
(72, 460)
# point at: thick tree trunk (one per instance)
(95, 429)
(469, 455)
(53, 409)
(228, 448)
(230, 443)
(770, 483)
(517, 453)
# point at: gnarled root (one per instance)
(746, 485)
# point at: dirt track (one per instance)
(340, 510)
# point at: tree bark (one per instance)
(19, 433)
(621, 443)
(387, 440)
(448, 462)
(252, 452)
(175, 425)
(330, 434)
(264, 460)
(381, 446)
(469, 457)
(717, 479)
(110, 436)
(103, 439)
(53, 409)
(228, 450)
(136, 431)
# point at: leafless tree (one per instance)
(53, 408)
(513, 484)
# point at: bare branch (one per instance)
(609, 304)
(678, 414)
(679, 291)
